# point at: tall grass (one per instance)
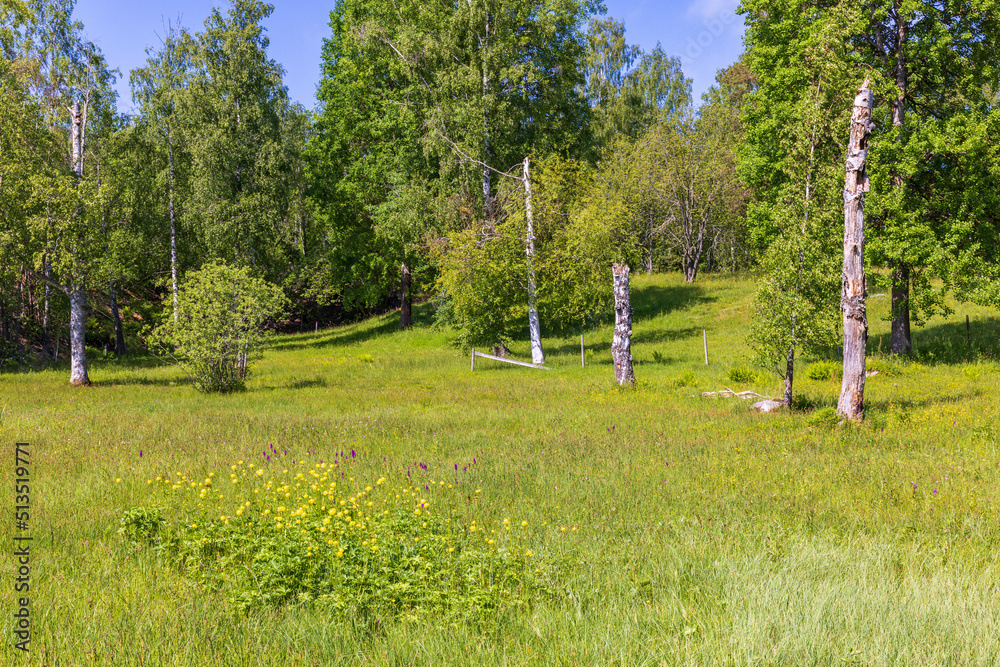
(685, 530)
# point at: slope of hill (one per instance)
(669, 528)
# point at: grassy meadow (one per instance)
(667, 528)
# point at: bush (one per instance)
(219, 327)
(824, 417)
(686, 379)
(367, 552)
(143, 525)
(971, 372)
(883, 366)
(824, 370)
(746, 375)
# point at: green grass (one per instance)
(696, 531)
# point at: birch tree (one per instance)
(932, 62)
(72, 81)
(241, 175)
(157, 89)
(792, 154)
(628, 89)
(455, 95)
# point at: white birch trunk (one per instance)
(852, 301)
(621, 344)
(77, 350)
(75, 291)
(484, 44)
(535, 331)
(173, 222)
(76, 136)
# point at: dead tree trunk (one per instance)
(621, 344)
(852, 299)
(405, 310)
(534, 328)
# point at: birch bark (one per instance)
(76, 291)
(535, 331)
(621, 344)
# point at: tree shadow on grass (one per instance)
(808, 403)
(138, 360)
(350, 334)
(316, 382)
(949, 342)
(650, 301)
(645, 336)
(142, 381)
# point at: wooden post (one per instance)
(704, 335)
(583, 358)
(621, 344)
(317, 326)
(968, 333)
(852, 299)
(473, 359)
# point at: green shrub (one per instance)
(143, 525)
(824, 370)
(897, 414)
(824, 417)
(219, 327)
(371, 552)
(745, 375)
(971, 373)
(883, 366)
(685, 379)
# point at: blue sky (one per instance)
(706, 34)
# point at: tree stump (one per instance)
(621, 344)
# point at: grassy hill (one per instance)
(645, 526)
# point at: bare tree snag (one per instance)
(621, 344)
(852, 299)
(537, 354)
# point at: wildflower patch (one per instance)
(314, 536)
